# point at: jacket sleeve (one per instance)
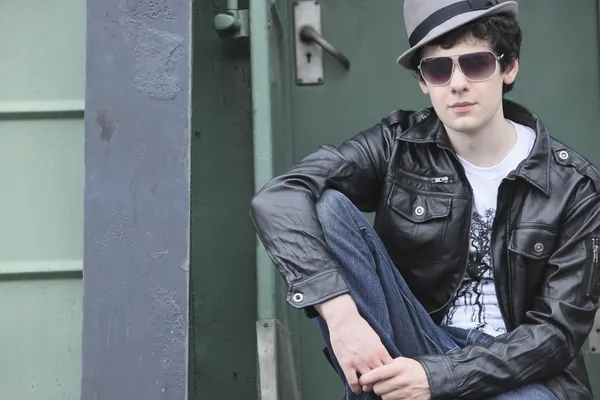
(554, 330)
(284, 210)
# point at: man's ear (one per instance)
(423, 86)
(511, 72)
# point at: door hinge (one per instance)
(234, 23)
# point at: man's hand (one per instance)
(355, 344)
(402, 379)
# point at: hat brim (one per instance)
(511, 7)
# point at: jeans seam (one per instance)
(360, 227)
(469, 337)
(453, 350)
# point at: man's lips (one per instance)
(461, 104)
(462, 107)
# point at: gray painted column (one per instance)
(137, 200)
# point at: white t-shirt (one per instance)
(475, 304)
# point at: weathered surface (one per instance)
(137, 213)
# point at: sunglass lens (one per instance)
(437, 71)
(477, 66)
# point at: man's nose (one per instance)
(458, 83)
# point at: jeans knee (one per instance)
(332, 201)
(333, 207)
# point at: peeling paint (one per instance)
(150, 8)
(168, 317)
(157, 52)
(159, 254)
(185, 266)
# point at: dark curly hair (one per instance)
(501, 30)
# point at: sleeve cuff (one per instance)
(438, 368)
(315, 290)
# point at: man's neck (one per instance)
(487, 147)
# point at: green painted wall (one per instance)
(41, 208)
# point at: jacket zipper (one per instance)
(439, 179)
(443, 179)
(593, 285)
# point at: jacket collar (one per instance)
(427, 128)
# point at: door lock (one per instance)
(309, 44)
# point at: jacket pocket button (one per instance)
(538, 247)
(419, 211)
(298, 297)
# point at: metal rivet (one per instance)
(419, 211)
(538, 247)
(298, 297)
(563, 155)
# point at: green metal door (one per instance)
(41, 205)
(559, 79)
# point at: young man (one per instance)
(479, 278)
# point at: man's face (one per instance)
(462, 104)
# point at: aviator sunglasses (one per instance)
(476, 67)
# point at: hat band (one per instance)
(444, 14)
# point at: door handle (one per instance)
(309, 34)
(310, 46)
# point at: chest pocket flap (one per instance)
(418, 207)
(534, 243)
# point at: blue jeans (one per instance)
(384, 299)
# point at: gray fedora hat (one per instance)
(426, 20)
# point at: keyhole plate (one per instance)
(309, 56)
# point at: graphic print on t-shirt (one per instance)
(475, 304)
(475, 301)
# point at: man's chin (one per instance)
(465, 124)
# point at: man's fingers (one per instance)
(396, 394)
(372, 377)
(374, 362)
(385, 356)
(379, 358)
(386, 386)
(362, 367)
(352, 378)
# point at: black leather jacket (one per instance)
(544, 244)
